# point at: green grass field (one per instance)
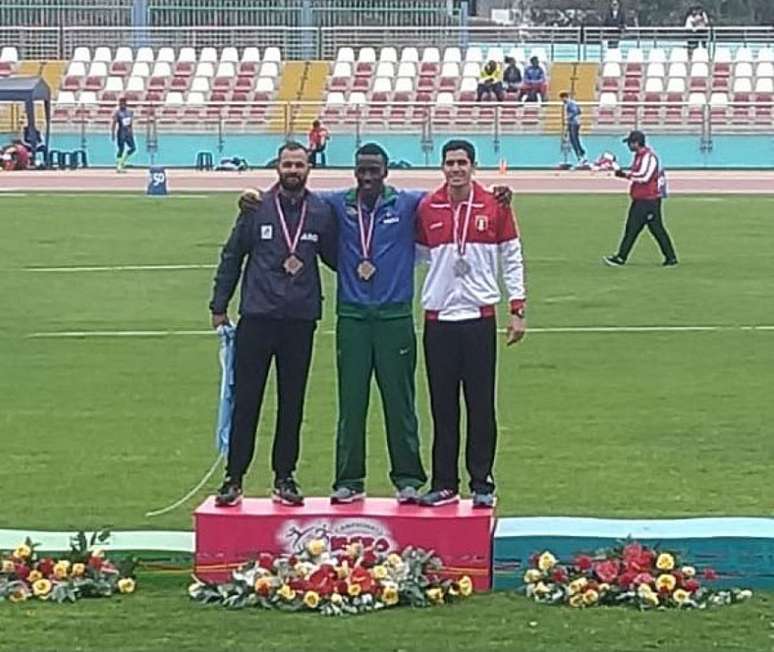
(98, 430)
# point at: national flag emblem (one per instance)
(482, 223)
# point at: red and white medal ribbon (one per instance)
(291, 242)
(460, 237)
(366, 234)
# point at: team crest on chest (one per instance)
(482, 223)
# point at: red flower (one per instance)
(607, 570)
(323, 580)
(691, 585)
(369, 558)
(362, 577)
(46, 566)
(626, 578)
(298, 584)
(292, 560)
(341, 587)
(710, 574)
(678, 575)
(560, 575)
(533, 560)
(583, 562)
(94, 562)
(592, 586)
(632, 551)
(265, 560)
(21, 571)
(643, 578)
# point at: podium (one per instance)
(229, 536)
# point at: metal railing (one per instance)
(60, 13)
(571, 43)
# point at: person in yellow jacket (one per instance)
(491, 82)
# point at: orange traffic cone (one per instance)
(503, 166)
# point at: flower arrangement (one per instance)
(83, 573)
(631, 574)
(353, 580)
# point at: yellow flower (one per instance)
(546, 561)
(466, 585)
(541, 589)
(98, 552)
(353, 590)
(576, 586)
(665, 561)
(336, 598)
(262, 585)
(688, 572)
(590, 597)
(19, 595)
(353, 550)
(342, 571)
(379, 572)
(316, 547)
(41, 588)
(61, 569)
(681, 596)
(126, 585)
(394, 560)
(78, 570)
(435, 595)
(34, 576)
(644, 590)
(453, 590)
(311, 599)
(8, 566)
(652, 599)
(666, 582)
(22, 552)
(286, 593)
(390, 595)
(604, 588)
(533, 575)
(576, 600)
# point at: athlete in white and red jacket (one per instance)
(646, 191)
(466, 235)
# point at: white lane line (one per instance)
(560, 329)
(119, 268)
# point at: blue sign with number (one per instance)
(157, 183)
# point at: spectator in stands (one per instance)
(698, 22)
(491, 82)
(122, 131)
(534, 87)
(512, 76)
(572, 114)
(15, 156)
(318, 141)
(615, 22)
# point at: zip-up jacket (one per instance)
(492, 234)
(390, 291)
(644, 175)
(268, 290)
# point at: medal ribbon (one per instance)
(366, 236)
(291, 242)
(461, 237)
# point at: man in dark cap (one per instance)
(648, 188)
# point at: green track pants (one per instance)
(388, 348)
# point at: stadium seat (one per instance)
(409, 55)
(613, 56)
(63, 107)
(144, 55)
(678, 70)
(742, 85)
(229, 55)
(743, 69)
(264, 88)
(657, 55)
(654, 85)
(75, 76)
(634, 61)
(180, 83)
(273, 55)
(114, 88)
(194, 106)
(404, 85)
(431, 62)
(656, 70)
(224, 76)
(473, 53)
(495, 54)
(382, 86)
(518, 55)
(186, 62)
(444, 107)
(366, 62)
(764, 86)
(696, 104)
(744, 55)
(632, 84)
(452, 55)
(468, 85)
(162, 69)
(345, 54)
(608, 102)
(766, 54)
(722, 62)
(764, 69)
(718, 107)
(450, 74)
(140, 69)
(135, 89)
(676, 85)
(407, 69)
(678, 55)
(700, 55)
(88, 98)
(244, 83)
(342, 76)
(122, 62)
(471, 69)
(200, 85)
(205, 69)
(103, 54)
(95, 79)
(389, 54)
(76, 69)
(269, 69)
(208, 55)
(82, 54)
(385, 69)
(611, 76)
(166, 55)
(251, 59)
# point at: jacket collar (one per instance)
(441, 195)
(389, 195)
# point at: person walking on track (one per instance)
(647, 189)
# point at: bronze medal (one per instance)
(293, 264)
(366, 269)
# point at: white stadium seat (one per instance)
(654, 85)
(87, 98)
(273, 54)
(407, 69)
(174, 98)
(613, 56)
(409, 55)
(65, 98)
(124, 55)
(382, 85)
(135, 85)
(471, 69)
(764, 69)
(200, 85)
(145, 55)
(744, 54)
(743, 85)
(385, 69)
(676, 85)
(264, 85)
(76, 69)
(765, 86)
(656, 55)
(608, 100)
(114, 85)
(9, 54)
(195, 98)
(469, 85)
(450, 70)
(452, 54)
(656, 70)
(389, 54)
(103, 54)
(251, 55)
(474, 54)
(444, 99)
(722, 55)
(766, 54)
(678, 55)
(166, 55)
(700, 55)
(208, 55)
(345, 54)
(366, 55)
(678, 70)
(161, 69)
(226, 69)
(229, 55)
(431, 55)
(82, 54)
(98, 69)
(743, 70)
(342, 69)
(697, 100)
(404, 85)
(269, 69)
(357, 98)
(611, 70)
(699, 70)
(140, 69)
(205, 69)
(186, 55)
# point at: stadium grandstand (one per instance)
(382, 67)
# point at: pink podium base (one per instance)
(226, 537)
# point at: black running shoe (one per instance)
(670, 262)
(439, 497)
(614, 261)
(229, 494)
(286, 492)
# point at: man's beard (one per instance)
(292, 182)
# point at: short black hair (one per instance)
(373, 149)
(316, 123)
(458, 143)
(291, 146)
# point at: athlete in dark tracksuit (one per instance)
(280, 305)
(122, 131)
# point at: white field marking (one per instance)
(112, 194)
(559, 329)
(3, 193)
(120, 268)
